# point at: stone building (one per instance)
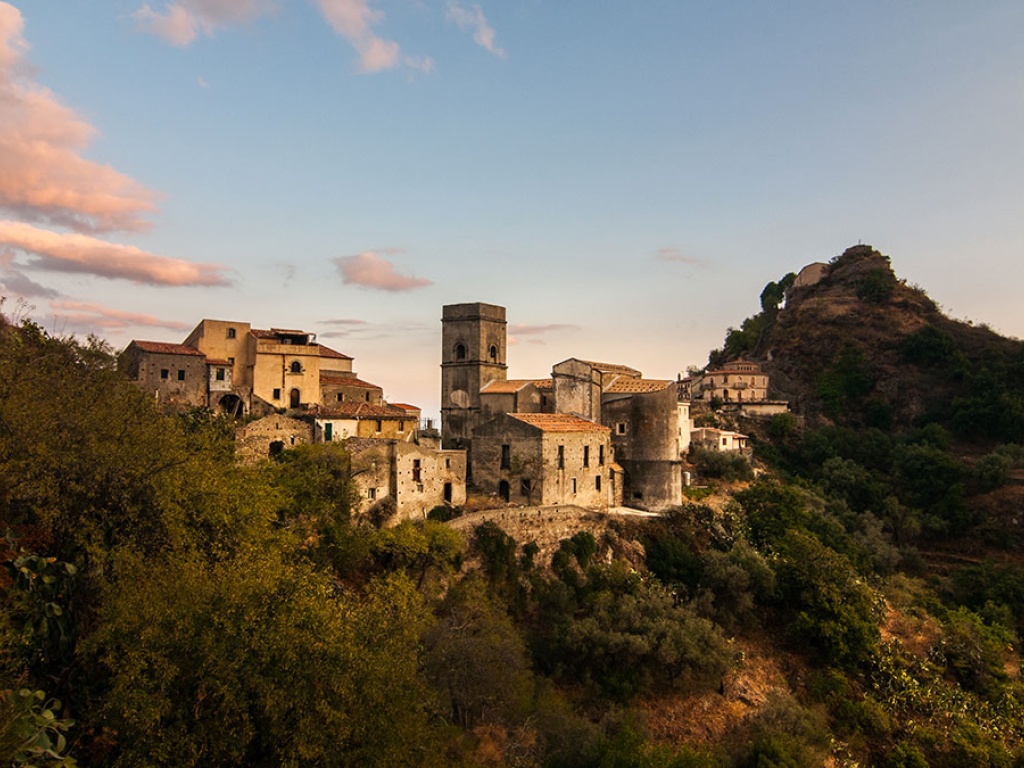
(722, 440)
(404, 480)
(360, 419)
(174, 373)
(545, 459)
(735, 382)
(260, 439)
(648, 425)
(251, 370)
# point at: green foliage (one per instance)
(31, 733)
(782, 426)
(255, 660)
(931, 348)
(973, 651)
(783, 734)
(844, 385)
(877, 286)
(991, 584)
(723, 465)
(318, 491)
(832, 611)
(419, 550)
(477, 660)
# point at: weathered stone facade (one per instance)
(408, 478)
(266, 437)
(173, 373)
(545, 459)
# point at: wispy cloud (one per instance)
(355, 21)
(535, 332)
(43, 178)
(470, 17)
(676, 255)
(13, 282)
(181, 22)
(62, 252)
(84, 316)
(370, 270)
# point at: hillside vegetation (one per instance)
(859, 604)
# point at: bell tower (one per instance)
(473, 348)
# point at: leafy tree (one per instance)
(255, 660)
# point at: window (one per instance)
(181, 375)
(367, 397)
(401, 426)
(220, 374)
(380, 425)
(493, 353)
(525, 487)
(597, 482)
(277, 394)
(620, 428)
(341, 397)
(600, 455)
(586, 455)
(460, 351)
(371, 493)
(574, 486)
(231, 333)
(416, 471)
(506, 456)
(328, 432)
(561, 457)
(231, 360)
(296, 367)
(164, 373)
(447, 463)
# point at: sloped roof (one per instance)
(407, 407)
(509, 386)
(166, 348)
(625, 370)
(559, 422)
(361, 411)
(629, 385)
(328, 352)
(333, 377)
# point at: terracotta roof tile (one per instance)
(509, 386)
(613, 368)
(166, 348)
(407, 407)
(625, 385)
(333, 377)
(361, 411)
(559, 422)
(328, 352)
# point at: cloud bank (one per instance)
(61, 252)
(42, 176)
(92, 316)
(372, 271)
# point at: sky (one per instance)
(624, 177)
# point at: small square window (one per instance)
(231, 360)
(164, 373)
(231, 333)
(277, 394)
(181, 375)
(220, 374)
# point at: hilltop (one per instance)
(862, 347)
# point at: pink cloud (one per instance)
(354, 20)
(675, 254)
(470, 18)
(372, 271)
(182, 21)
(42, 176)
(85, 315)
(82, 253)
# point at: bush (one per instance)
(729, 466)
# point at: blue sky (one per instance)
(624, 177)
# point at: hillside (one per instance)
(861, 346)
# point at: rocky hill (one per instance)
(861, 346)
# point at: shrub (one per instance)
(729, 466)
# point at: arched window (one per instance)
(460, 351)
(294, 398)
(494, 353)
(296, 367)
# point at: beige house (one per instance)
(735, 382)
(348, 420)
(718, 439)
(545, 459)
